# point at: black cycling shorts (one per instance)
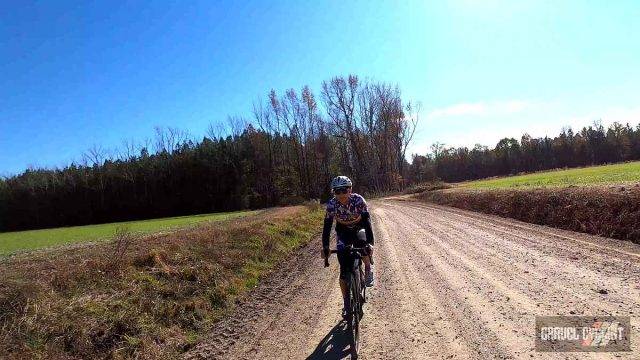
(346, 260)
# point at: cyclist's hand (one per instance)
(325, 253)
(369, 249)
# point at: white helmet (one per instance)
(341, 181)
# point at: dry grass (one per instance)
(141, 297)
(611, 211)
(428, 186)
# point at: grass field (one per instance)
(11, 242)
(605, 174)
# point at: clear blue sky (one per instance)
(74, 74)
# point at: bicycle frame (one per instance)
(357, 294)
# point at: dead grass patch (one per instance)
(145, 297)
(611, 211)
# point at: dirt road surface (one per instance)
(450, 284)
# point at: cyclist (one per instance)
(352, 217)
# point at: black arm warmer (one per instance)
(326, 232)
(366, 224)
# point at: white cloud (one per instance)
(608, 116)
(467, 124)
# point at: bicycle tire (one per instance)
(354, 316)
(363, 291)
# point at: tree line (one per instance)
(593, 145)
(288, 151)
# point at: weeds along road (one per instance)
(450, 284)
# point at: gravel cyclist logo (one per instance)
(582, 333)
(602, 333)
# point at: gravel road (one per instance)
(450, 284)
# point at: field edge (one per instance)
(610, 211)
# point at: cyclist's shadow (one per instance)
(335, 344)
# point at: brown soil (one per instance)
(450, 284)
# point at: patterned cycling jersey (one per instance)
(346, 212)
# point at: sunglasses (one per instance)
(340, 191)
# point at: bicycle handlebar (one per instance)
(349, 248)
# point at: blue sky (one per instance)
(75, 74)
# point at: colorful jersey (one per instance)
(349, 212)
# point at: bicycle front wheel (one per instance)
(354, 314)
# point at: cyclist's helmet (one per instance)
(341, 182)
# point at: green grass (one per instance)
(11, 242)
(605, 174)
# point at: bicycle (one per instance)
(357, 295)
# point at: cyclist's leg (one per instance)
(345, 238)
(343, 260)
(367, 262)
(361, 241)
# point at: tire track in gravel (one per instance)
(546, 265)
(450, 284)
(554, 270)
(433, 282)
(620, 274)
(414, 325)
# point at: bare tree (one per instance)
(128, 150)
(437, 149)
(169, 139)
(339, 96)
(236, 124)
(406, 129)
(95, 155)
(160, 140)
(215, 130)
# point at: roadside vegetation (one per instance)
(594, 175)
(599, 200)
(141, 297)
(427, 186)
(610, 210)
(11, 242)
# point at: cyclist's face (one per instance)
(342, 195)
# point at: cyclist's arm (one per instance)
(326, 231)
(365, 221)
(328, 223)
